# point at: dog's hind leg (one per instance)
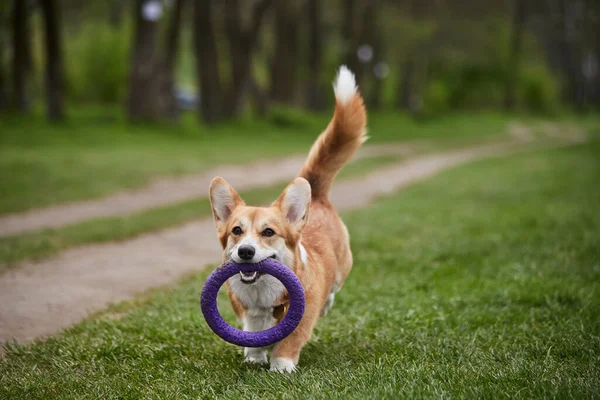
(330, 299)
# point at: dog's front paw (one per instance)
(256, 358)
(283, 365)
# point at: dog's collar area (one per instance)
(279, 311)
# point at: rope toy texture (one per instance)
(208, 303)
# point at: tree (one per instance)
(242, 42)
(143, 66)
(315, 55)
(572, 14)
(514, 61)
(349, 36)
(207, 63)
(151, 94)
(20, 45)
(115, 12)
(285, 60)
(358, 32)
(371, 35)
(568, 31)
(170, 58)
(408, 96)
(54, 59)
(4, 11)
(407, 86)
(3, 95)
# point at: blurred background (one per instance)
(151, 60)
(99, 96)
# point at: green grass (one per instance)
(96, 152)
(482, 282)
(45, 243)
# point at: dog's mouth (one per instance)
(250, 277)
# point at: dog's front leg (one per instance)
(286, 353)
(256, 321)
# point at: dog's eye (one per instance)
(236, 230)
(268, 232)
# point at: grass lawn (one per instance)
(96, 152)
(48, 242)
(481, 282)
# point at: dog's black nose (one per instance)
(246, 252)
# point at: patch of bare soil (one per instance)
(170, 190)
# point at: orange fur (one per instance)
(335, 146)
(315, 225)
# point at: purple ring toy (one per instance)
(208, 303)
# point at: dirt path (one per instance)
(171, 190)
(41, 299)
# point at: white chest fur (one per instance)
(261, 294)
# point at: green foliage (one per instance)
(480, 283)
(436, 98)
(463, 85)
(287, 117)
(461, 80)
(538, 89)
(98, 63)
(482, 85)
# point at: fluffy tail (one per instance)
(342, 138)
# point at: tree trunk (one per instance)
(260, 98)
(595, 96)
(407, 85)
(3, 96)
(207, 63)
(241, 46)
(570, 53)
(514, 61)
(144, 66)
(20, 57)
(170, 59)
(4, 43)
(349, 35)
(54, 59)
(371, 34)
(285, 60)
(239, 55)
(315, 56)
(115, 12)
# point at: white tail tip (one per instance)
(344, 86)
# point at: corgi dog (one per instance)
(301, 229)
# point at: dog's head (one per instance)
(252, 234)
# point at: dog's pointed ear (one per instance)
(294, 202)
(223, 199)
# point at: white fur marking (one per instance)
(303, 254)
(281, 364)
(328, 304)
(346, 230)
(256, 321)
(260, 295)
(255, 356)
(344, 86)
